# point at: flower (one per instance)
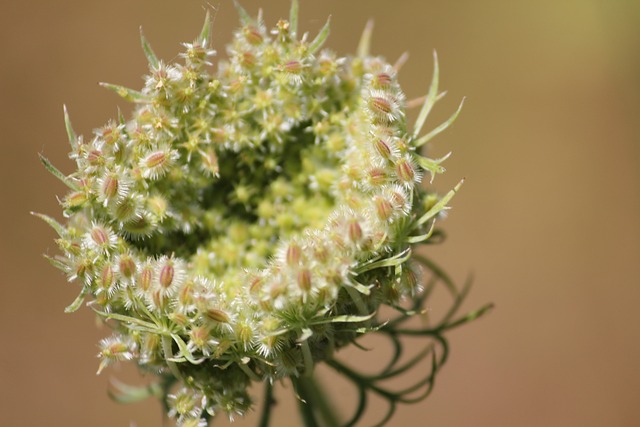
(248, 221)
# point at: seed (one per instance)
(217, 315)
(100, 236)
(166, 275)
(293, 254)
(383, 79)
(383, 208)
(253, 36)
(107, 276)
(109, 186)
(156, 160)
(405, 171)
(146, 278)
(380, 105)
(293, 67)
(127, 266)
(383, 149)
(355, 231)
(377, 176)
(304, 279)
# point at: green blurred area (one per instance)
(547, 220)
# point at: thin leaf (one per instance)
(432, 165)
(422, 238)
(390, 412)
(126, 93)
(75, 305)
(469, 317)
(431, 99)
(57, 263)
(367, 329)
(121, 118)
(73, 140)
(245, 18)
(413, 103)
(320, 38)
(439, 273)
(184, 352)
(387, 262)
(148, 52)
(362, 406)
(400, 61)
(348, 318)
(364, 46)
(55, 172)
(52, 223)
(441, 205)
(128, 394)
(127, 319)
(364, 290)
(426, 138)
(205, 33)
(406, 366)
(428, 381)
(293, 18)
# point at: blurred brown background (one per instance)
(548, 220)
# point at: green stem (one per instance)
(316, 400)
(304, 405)
(268, 403)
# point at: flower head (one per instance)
(251, 218)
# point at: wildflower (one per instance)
(255, 218)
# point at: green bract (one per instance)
(249, 220)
